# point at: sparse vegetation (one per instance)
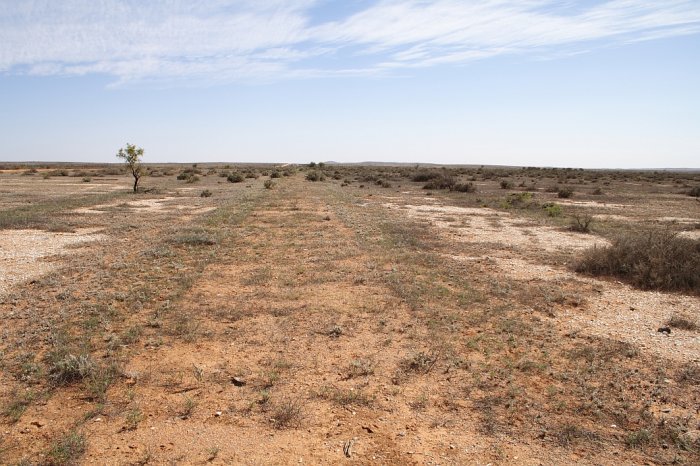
(371, 310)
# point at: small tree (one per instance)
(132, 157)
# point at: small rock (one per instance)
(218, 414)
(666, 330)
(238, 381)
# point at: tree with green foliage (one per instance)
(132, 157)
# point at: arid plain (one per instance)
(260, 314)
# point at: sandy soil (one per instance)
(23, 253)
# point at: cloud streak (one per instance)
(180, 41)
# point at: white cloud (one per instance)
(228, 40)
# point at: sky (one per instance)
(591, 84)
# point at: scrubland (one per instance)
(329, 314)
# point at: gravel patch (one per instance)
(22, 251)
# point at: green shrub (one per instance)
(553, 210)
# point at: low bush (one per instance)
(422, 177)
(465, 187)
(654, 259)
(565, 193)
(581, 223)
(440, 182)
(235, 178)
(695, 192)
(315, 176)
(552, 209)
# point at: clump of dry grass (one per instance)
(654, 259)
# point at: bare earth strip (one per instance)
(22, 252)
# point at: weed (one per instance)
(569, 433)
(288, 413)
(133, 418)
(205, 193)
(188, 406)
(359, 368)
(420, 362)
(347, 397)
(194, 238)
(18, 405)
(638, 438)
(70, 368)
(269, 184)
(67, 449)
(552, 209)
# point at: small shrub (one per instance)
(420, 362)
(360, 368)
(183, 176)
(638, 438)
(505, 184)
(87, 179)
(422, 177)
(440, 182)
(465, 187)
(235, 178)
(695, 192)
(315, 176)
(67, 449)
(581, 223)
(205, 193)
(70, 368)
(552, 209)
(192, 179)
(269, 184)
(597, 192)
(288, 413)
(654, 259)
(275, 174)
(565, 193)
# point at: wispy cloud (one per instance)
(184, 41)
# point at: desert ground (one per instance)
(347, 314)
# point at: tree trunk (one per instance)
(136, 183)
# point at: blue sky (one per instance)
(568, 83)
